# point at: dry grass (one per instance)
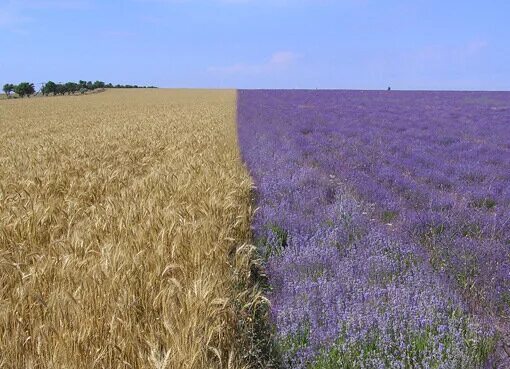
(123, 217)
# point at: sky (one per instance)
(345, 44)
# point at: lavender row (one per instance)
(346, 291)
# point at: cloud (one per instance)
(16, 14)
(433, 66)
(154, 20)
(11, 19)
(282, 58)
(277, 3)
(443, 54)
(277, 61)
(52, 4)
(475, 47)
(118, 34)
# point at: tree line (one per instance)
(27, 89)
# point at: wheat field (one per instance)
(125, 230)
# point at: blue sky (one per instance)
(359, 44)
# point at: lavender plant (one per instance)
(373, 209)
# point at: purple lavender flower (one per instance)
(382, 217)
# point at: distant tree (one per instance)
(71, 87)
(60, 89)
(8, 88)
(25, 89)
(49, 87)
(99, 84)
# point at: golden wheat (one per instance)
(124, 220)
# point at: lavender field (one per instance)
(384, 222)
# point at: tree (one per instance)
(82, 84)
(71, 87)
(49, 87)
(60, 89)
(8, 88)
(24, 89)
(98, 84)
